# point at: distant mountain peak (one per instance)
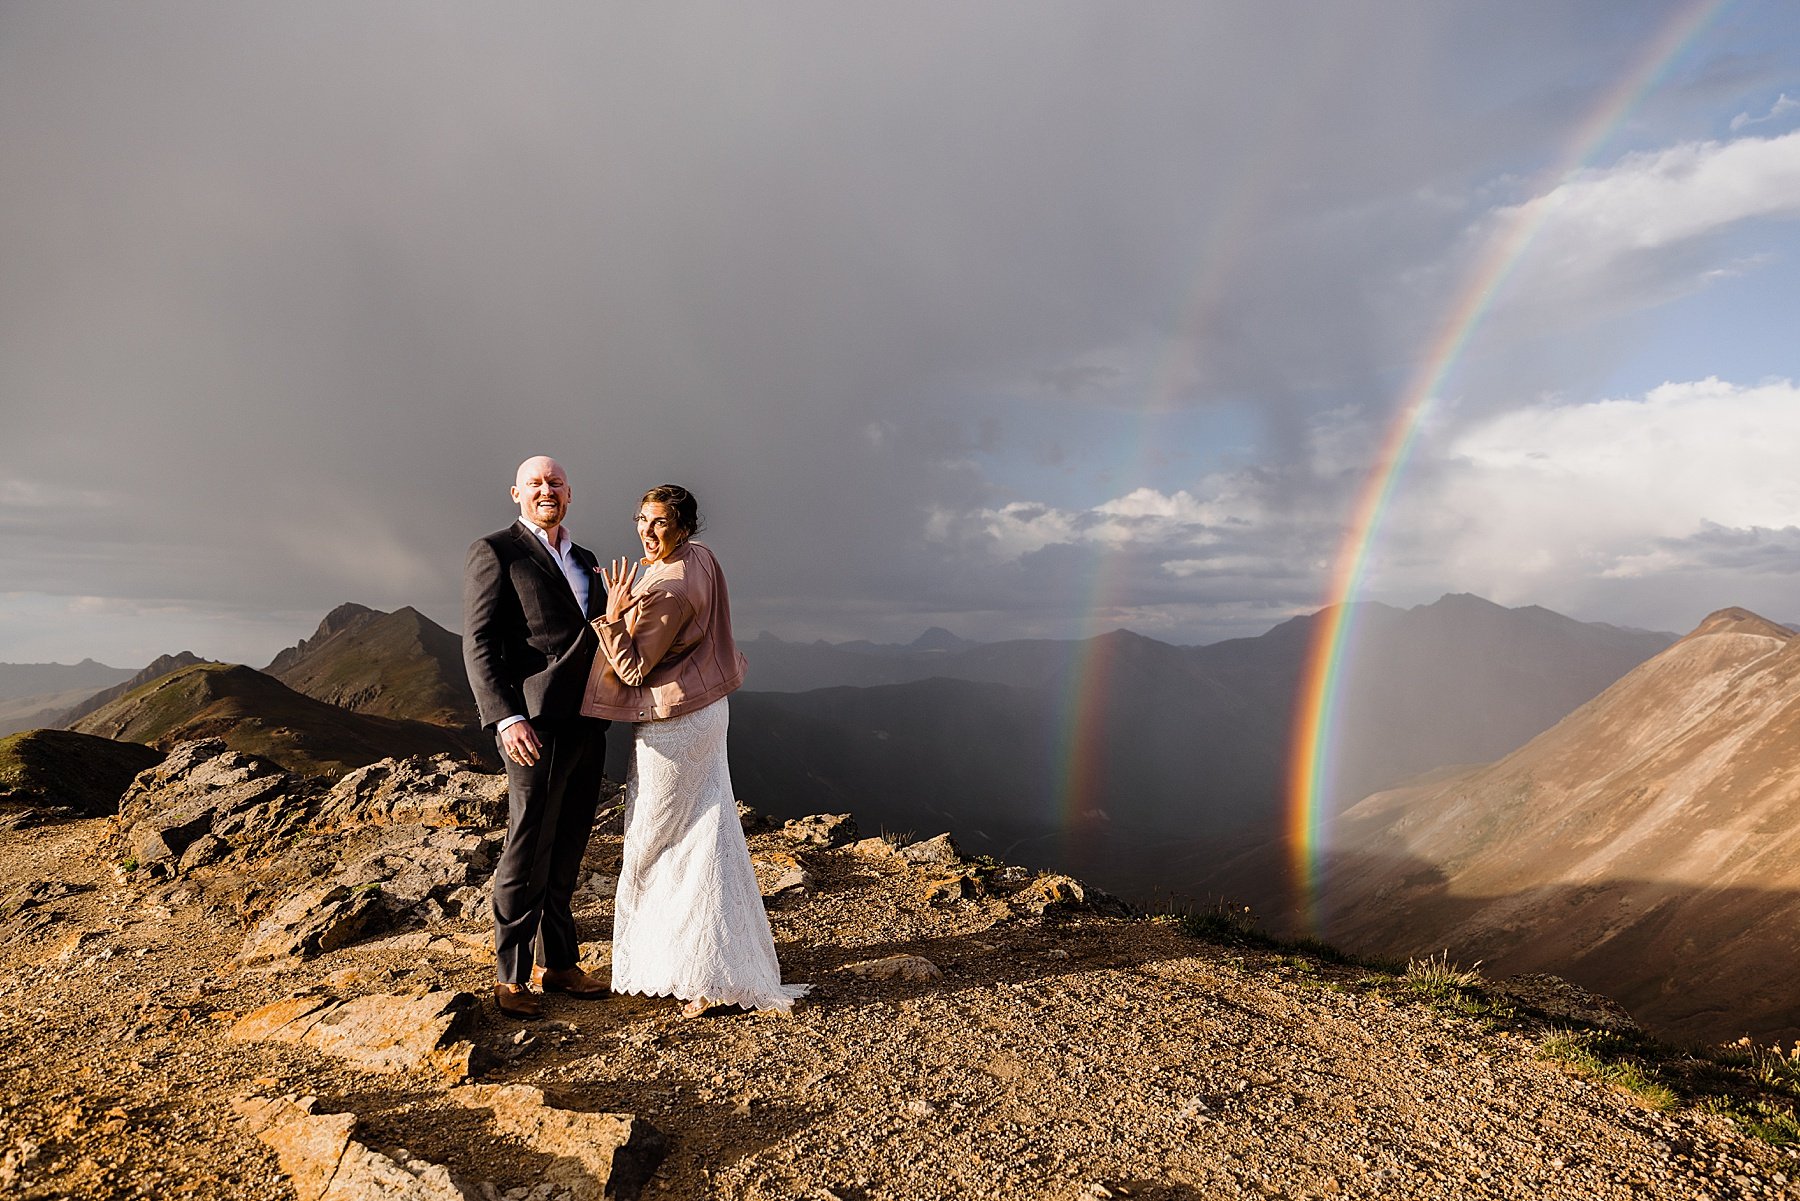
(937, 638)
(1734, 620)
(400, 664)
(1463, 600)
(344, 616)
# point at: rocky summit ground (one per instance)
(251, 986)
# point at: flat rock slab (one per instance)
(914, 968)
(324, 1161)
(595, 1155)
(378, 1032)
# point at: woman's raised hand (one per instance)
(618, 577)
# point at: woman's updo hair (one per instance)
(680, 502)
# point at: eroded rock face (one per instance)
(431, 792)
(378, 1032)
(204, 789)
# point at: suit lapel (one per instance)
(540, 555)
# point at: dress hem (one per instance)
(759, 1003)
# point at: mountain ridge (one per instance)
(1648, 844)
(257, 713)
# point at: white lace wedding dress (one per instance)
(688, 920)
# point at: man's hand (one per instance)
(521, 743)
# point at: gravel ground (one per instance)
(1068, 1056)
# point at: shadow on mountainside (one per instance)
(1692, 964)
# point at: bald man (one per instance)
(528, 594)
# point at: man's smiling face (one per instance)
(542, 492)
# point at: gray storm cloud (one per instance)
(288, 290)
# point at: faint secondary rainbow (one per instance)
(1310, 759)
(1079, 747)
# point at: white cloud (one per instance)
(1692, 477)
(1669, 504)
(1643, 230)
(1661, 197)
(1783, 105)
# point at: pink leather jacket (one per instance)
(671, 652)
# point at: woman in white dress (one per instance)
(688, 920)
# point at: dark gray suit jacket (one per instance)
(526, 642)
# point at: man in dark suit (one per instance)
(528, 594)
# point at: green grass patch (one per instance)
(1620, 1061)
(1756, 1087)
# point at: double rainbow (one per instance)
(1310, 765)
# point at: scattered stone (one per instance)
(911, 968)
(324, 1161)
(939, 850)
(754, 822)
(794, 880)
(35, 893)
(948, 890)
(822, 829)
(380, 1033)
(592, 1155)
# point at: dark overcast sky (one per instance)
(1014, 318)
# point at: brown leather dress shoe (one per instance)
(570, 981)
(517, 1001)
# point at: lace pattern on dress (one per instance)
(688, 920)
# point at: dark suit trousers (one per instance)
(550, 812)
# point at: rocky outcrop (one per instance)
(822, 829)
(398, 842)
(592, 1155)
(435, 792)
(587, 1156)
(204, 789)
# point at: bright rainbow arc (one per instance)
(1310, 760)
